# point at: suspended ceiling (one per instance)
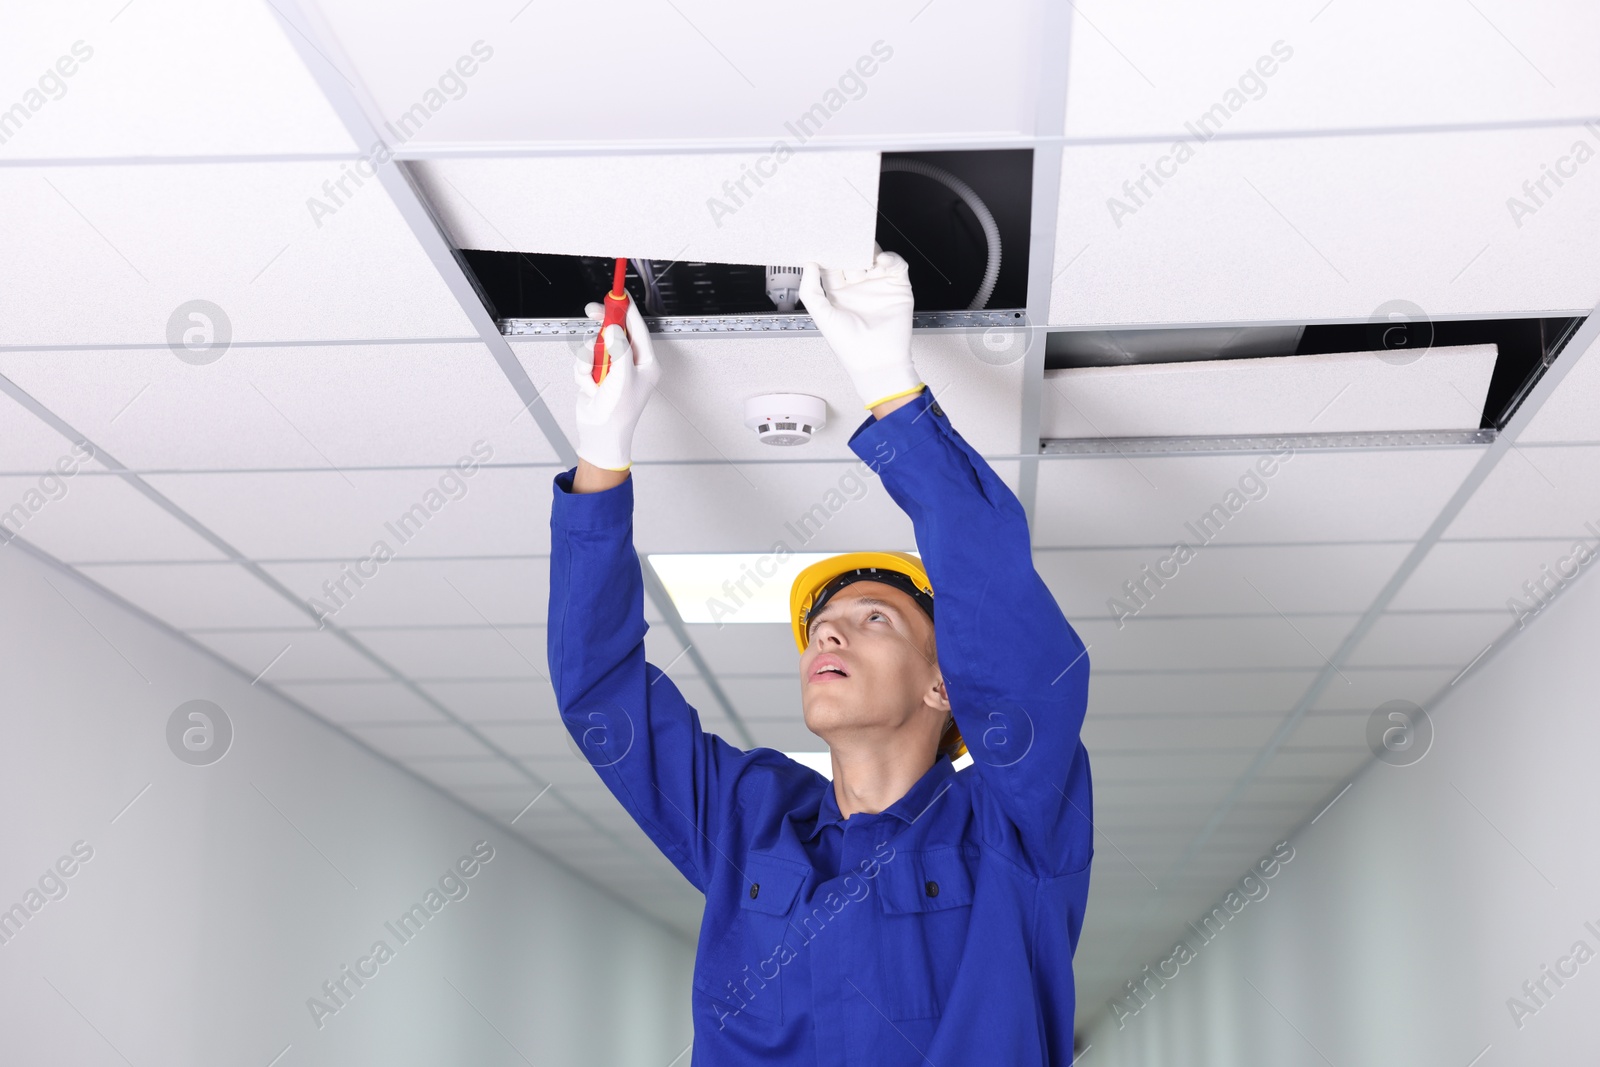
(1223, 716)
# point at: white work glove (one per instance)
(608, 412)
(865, 316)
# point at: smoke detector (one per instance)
(785, 418)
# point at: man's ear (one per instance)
(937, 697)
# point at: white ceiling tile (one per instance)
(352, 701)
(810, 507)
(1572, 412)
(697, 411)
(424, 592)
(30, 446)
(1204, 692)
(1108, 500)
(1365, 688)
(1345, 392)
(1106, 730)
(744, 73)
(1485, 575)
(135, 244)
(290, 655)
(1548, 491)
(406, 741)
(475, 652)
(1331, 728)
(418, 405)
(761, 700)
(1262, 230)
(803, 507)
(1147, 68)
(531, 740)
(671, 207)
(1290, 578)
(465, 772)
(1169, 764)
(152, 80)
(763, 647)
(95, 517)
(497, 700)
(1146, 642)
(346, 514)
(1440, 639)
(191, 595)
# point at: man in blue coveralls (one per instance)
(905, 912)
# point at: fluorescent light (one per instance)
(821, 762)
(732, 587)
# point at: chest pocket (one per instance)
(740, 967)
(926, 899)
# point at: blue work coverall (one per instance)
(940, 930)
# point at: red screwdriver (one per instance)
(616, 313)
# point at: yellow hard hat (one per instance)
(815, 585)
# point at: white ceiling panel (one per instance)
(95, 517)
(1310, 496)
(844, 73)
(1172, 764)
(771, 699)
(1299, 641)
(764, 647)
(417, 592)
(193, 595)
(1572, 412)
(343, 515)
(1440, 639)
(497, 700)
(530, 739)
(670, 207)
(362, 701)
(1202, 692)
(1346, 729)
(29, 446)
(1484, 575)
(312, 407)
(1364, 688)
(759, 506)
(1290, 578)
(146, 79)
(290, 655)
(462, 772)
(1341, 392)
(466, 652)
(133, 245)
(1147, 68)
(697, 412)
(1262, 230)
(419, 740)
(1104, 730)
(1536, 492)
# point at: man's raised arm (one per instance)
(1016, 671)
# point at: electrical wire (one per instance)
(991, 230)
(652, 289)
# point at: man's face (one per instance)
(885, 644)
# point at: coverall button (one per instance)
(755, 887)
(932, 888)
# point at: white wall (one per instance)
(1419, 903)
(204, 920)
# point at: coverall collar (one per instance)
(906, 809)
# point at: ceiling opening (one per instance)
(1525, 347)
(945, 212)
